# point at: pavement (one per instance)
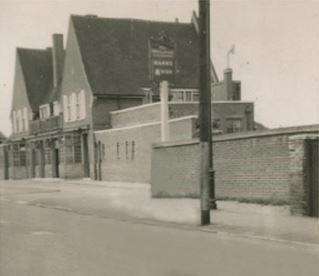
(57, 228)
(132, 202)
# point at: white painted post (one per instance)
(164, 111)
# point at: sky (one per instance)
(276, 46)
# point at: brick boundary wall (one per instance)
(260, 167)
(127, 151)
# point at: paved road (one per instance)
(40, 241)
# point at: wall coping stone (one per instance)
(306, 132)
(178, 143)
(173, 102)
(146, 124)
(310, 136)
(215, 102)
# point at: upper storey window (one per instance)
(20, 120)
(44, 111)
(233, 125)
(74, 106)
(185, 95)
(56, 108)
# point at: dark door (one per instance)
(312, 148)
(6, 164)
(86, 162)
(56, 163)
(42, 159)
(33, 162)
(99, 160)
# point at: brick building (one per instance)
(62, 96)
(91, 109)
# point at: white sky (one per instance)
(276, 58)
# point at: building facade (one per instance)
(63, 96)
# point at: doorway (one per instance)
(56, 163)
(312, 168)
(6, 164)
(86, 163)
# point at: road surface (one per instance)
(41, 240)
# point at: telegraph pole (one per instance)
(206, 181)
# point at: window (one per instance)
(69, 107)
(77, 148)
(23, 159)
(44, 111)
(148, 95)
(68, 149)
(188, 96)
(184, 95)
(133, 150)
(19, 121)
(233, 125)
(23, 122)
(56, 108)
(16, 155)
(47, 153)
(178, 96)
(195, 96)
(82, 104)
(73, 150)
(126, 150)
(236, 92)
(216, 124)
(65, 108)
(26, 118)
(118, 150)
(103, 152)
(77, 106)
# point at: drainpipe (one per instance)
(164, 89)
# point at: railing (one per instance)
(50, 124)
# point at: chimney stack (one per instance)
(228, 80)
(57, 58)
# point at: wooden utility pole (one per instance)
(205, 112)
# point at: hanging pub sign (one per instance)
(162, 59)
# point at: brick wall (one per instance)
(220, 110)
(255, 167)
(103, 109)
(18, 172)
(175, 169)
(299, 183)
(136, 115)
(72, 171)
(127, 151)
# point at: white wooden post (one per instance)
(164, 89)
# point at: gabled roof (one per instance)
(36, 66)
(115, 52)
